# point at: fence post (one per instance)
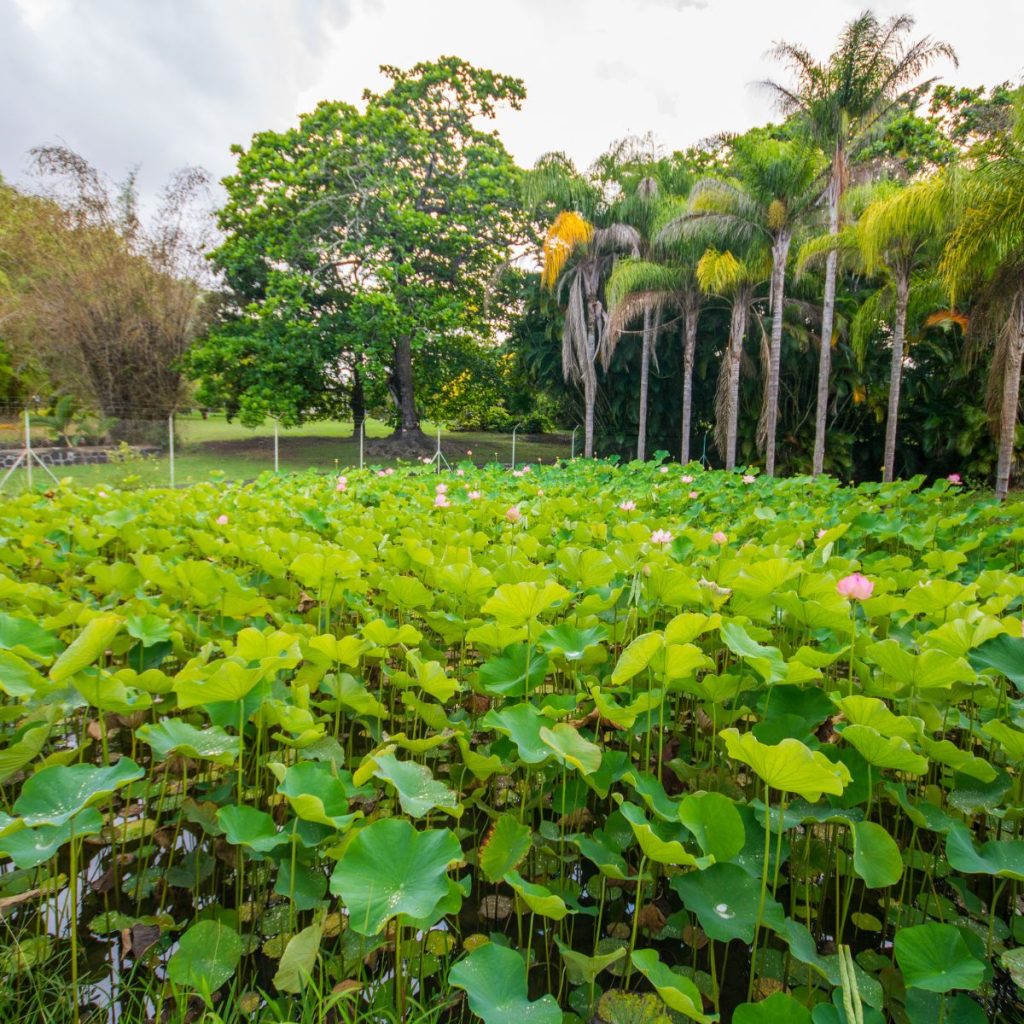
(170, 444)
(514, 429)
(28, 449)
(362, 435)
(277, 461)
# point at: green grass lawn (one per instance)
(212, 448)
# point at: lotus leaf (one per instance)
(788, 766)
(55, 794)
(494, 979)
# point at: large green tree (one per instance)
(844, 104)
(361, 238)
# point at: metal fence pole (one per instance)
(362, 435)
(514, 429)
(28, 449)
(277, 461)
(170, 444)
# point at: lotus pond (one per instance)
(586, 743)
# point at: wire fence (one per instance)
(138, 444)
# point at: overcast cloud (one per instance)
(164, 83)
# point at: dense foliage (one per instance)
(620, 743)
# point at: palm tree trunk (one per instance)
(589, 394)
(780, 252)
(895, 375)
(735, 355)
(1011, 398)
(645, 374)
(690, 315)
(827, 317)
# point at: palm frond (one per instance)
(568, 231)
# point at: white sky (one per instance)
(164, 83)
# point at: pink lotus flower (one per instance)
(469, 451)
(663, 469)
(856, 587)
(441, 501)
(441, 488)
(426, 461)
(390, 471)
(513, 515)
(821, 533)
(340, 487)
(342, 479)
(222, 520)
(540, 493)
(720, 538)
(517, 472)
(627, 506)
(460, 472)
(955, 479)
(694, 495)
(686, 478)
(748, 478)
(661, 537)
(526, 468)
(382, 472)
(103, 494)
(473, 495)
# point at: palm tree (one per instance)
(986, 250)
(895, 233)
(665, 281)
(842, 105)
(580, 248)
(735, 279)
(772, 192)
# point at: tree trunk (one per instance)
(589, 391)
(738, 329)
(827, 317)
(403, 393)
(895, 375)
(1011, 398)
(690, 315)
(780, 252)
(357, 400)
(645, 374)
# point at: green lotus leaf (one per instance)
(789, 766)
(936, 958)
(515, 672)
(30, 847)
(148, 629)
(1002, 857)
(24, 749)
(778, 1008)
(540, 899)
(625, 717)
(408, 592)
(948, 753)
(586, 567)
(418, 791)
(520, 604)
(619, 1007)
(53, 795)
(726, 899)
(570, 748)
(874, 713)
(317, 794)
(248, 826)
(87, 647)
(173, 736)
(766, 661)
(660, 842)
(653, 794)
(26, 639)
(299, 960)
(17, 677)
(507, 843)
(1013, 962)
(390, 868)
(678, 992)
(1003, 653)
(522, 724)
(715, 824)
(108, 692)
(571, 642)
(226, 680)
(636, 657)
(1011, 740)
(432, 678)
(603, 854)
(582, 969)
(303, 883)
(206, 957)
(876, 857)
(893, 752)
(931, 670)
(494, 980)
